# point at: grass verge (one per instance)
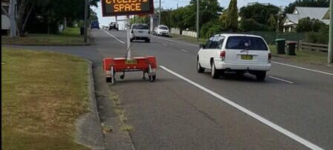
(310, 57)
(43, 94)
(188, 38)
(70, 36)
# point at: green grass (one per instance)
(70, 36)
(43, 94)
(188, 38)
(304, 56)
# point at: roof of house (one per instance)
(327, 15)
(311, 12)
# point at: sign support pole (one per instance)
(330, 47)
(12, 15)
(128, 24)
(86, 21)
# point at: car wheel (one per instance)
(240, 73)
(131, 40)
(261, 75)
(147, 40)
(199, 68)
(214, 73)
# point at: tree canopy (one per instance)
(307, 3)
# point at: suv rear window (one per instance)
(164, 28)
(140, 27)
(248, 43)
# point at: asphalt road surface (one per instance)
(292, 109)
(185, 110)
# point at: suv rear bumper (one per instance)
(221, 65)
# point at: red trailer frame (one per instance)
(147, 65)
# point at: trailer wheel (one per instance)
(108, 79)
(152, 78)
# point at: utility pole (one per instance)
(159, 15)
(86, 21)
(198, 20)
(12, 16)
(330, 47)
(177, 4)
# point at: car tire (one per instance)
(240, 73)
(131, 40)
(214, 73)
(147, 40)
(199, 68)
(261, 75)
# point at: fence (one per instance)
(313, 47)
(189, 33)
(175, 31)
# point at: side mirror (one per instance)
(202, 46)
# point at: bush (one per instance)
(210, 29)
(252, 25)
(307, 25)
(320, 37)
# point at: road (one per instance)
(291, 110)
(173, 113)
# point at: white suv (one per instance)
(235, 53)
(140, 32)
(161, 30)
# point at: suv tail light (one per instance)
(222, 55)
(269, 57)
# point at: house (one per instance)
(291, 20)
(5, 22)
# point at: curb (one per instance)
(89, 130)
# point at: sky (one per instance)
(172, 4)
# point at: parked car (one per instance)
(113, 25)
(140, 32)
(237, 53)
(94, 25)
(161, 30)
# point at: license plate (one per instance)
(247, 57)
(140, 31)
(130, 62)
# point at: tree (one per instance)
(307, 25)
(308, 3)
(166, 17)
(232, 19)
(272, 22)
(48, 12)
(180, 18)
(260, 13)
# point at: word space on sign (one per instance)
(127, 7)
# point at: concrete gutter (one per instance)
(89, 130)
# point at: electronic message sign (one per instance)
(127, 7)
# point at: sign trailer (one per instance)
(128, 63)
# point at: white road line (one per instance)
(317, 71)
(178, 42)
(122, 42)
(183, 50)
(283, 80)
(250, 113)
(165, 44)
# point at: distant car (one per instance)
(237, 53)
(94, 25)
(140, 32)
(161, 30)
(113, 25)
